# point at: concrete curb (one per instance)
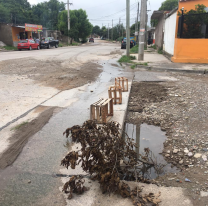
(125, 114)
(150, 68)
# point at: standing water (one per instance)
(152, 137)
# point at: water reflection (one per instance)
(149, 136)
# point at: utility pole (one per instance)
(112, 29)
(68, 16)
(137, 26)
(142, 29)
(127, 27)
(108, 31)
(119, 27)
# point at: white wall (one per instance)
(169, 33)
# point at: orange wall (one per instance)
(16, 31)
(190, 50)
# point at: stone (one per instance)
(186, 151)
(29, 181)
(167, 155)
(181, 162)
(204, 157)
(204, 194)
(197, 155)
(205, 149)
(175, 151)
(190, 154)
(168, 151)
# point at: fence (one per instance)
(193, 26)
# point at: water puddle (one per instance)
(149, 136)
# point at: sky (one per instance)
(102, 13)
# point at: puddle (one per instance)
(149, 136)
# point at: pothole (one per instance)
(152, 137)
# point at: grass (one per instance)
(19, 126)
(135, 49)
(61, 45)
(160, 51)
(154, 47)
(126, 59)
(9, 48)
(135, 65)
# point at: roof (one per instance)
(157, 14)
(172, 12)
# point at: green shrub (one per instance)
(126, 59)
(160, 51)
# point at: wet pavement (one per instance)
(32, 179)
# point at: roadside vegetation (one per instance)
(126, 59)
(140, 64)
(19, 126)
(9, 48)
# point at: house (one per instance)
(11, 34)
(174, 36)
(159, 32)
(190, 49)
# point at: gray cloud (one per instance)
(102, 12)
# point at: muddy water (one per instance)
(149, 136)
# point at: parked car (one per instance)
(123, 44)
(27, 44)
(49, 42)
(91, 40)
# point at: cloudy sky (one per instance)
(102, 12)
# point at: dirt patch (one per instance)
(22, 135)
(181, 110)
(51, 73)
(144, 93)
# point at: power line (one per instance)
(115, 13)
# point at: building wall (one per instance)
(159, 32)
(190, 50)
(6, 34)
(169, 34)
(15, 35)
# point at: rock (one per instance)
(170, 179)
(187, 180)
(168, 151)
(186, 151)
(204, 157)
(205, 149)
(175, 151)
(204, 194)
(190, 154)
(181, 162)
(197, 155)
(29, 181)
(167, 155)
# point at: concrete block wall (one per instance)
(6, 34)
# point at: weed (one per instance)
(160, 51)
(154, 47)
(19, 126)
(10, 48)
(126, 59)
(60, 45)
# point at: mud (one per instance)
(21, 136)
(52, 73)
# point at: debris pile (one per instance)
(109, 159)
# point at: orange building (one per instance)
(190, 50)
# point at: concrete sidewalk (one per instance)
(159, 62)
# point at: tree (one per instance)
(168, 5)
(132, 29)
(80, 25)
(195, 22)
(96, 30)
